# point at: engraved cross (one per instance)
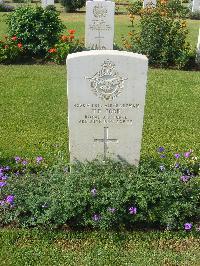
(99, 39)
(105, 141)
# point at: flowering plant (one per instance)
(115, 195)
(38, 28)
(11, 49)
(186, 163)
(161, 36)
(67, 44)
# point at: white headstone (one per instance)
(46, 3)
(99, 25)
(195, 5)
(149, 3)
(106, 98)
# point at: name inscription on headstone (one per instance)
(105, 113)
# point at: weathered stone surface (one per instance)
(46, 3)
(195, 5)
(106, 97)
(99, 25)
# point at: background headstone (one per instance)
(149, 3)
(99, 25)
(46, 3)
(198, 49)
(106, 104)
(195, 5)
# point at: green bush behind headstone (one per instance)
(38, 29)
(72, 5)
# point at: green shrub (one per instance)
(11, 50)
(39, 29)
(72, 5)
(104, 195)
(177, 8)
(66, 45)
(135, 7)
(174, 7)
(162, 37)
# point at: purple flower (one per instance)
(17, 159)
(184, 178)
(4, 177)
(132, 210)
(112, 210)
(10, 199)
(2, 184)
(24, 162)
(1, 170)
(187, 154)
(7, 168)
(2, 202)
(176, 165)
(94, 192)
(162, 168)
(160, 149)
(96, 217)
(187, 226)
(162, 156)
(39, 159)
(17, 173)
(177, 155)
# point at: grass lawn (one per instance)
(33, 121)
(34, 112)
(37, 247)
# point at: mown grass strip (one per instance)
(39, 247)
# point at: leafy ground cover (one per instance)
(37, 247)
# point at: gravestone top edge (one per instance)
(106, 53)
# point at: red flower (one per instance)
(71, 37)
(52, 50)
(14, 38)
(64, 38)
(72, 32)
(19, 45)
